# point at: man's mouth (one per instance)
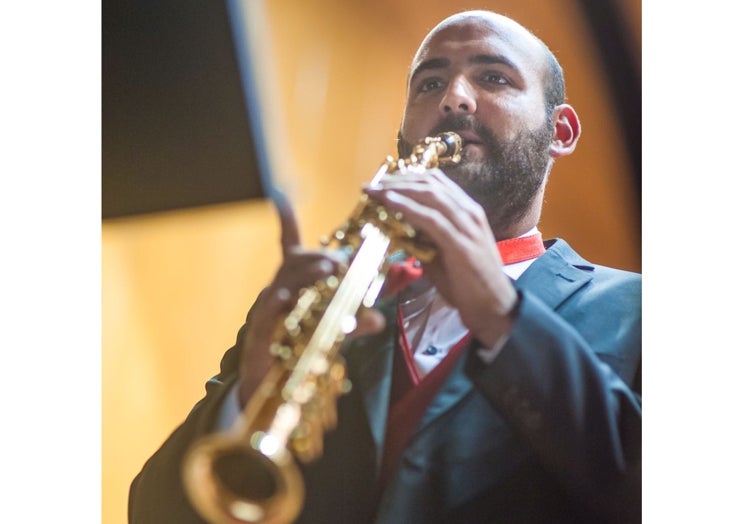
(470, 138)
(472, 146)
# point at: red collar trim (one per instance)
(512, 250)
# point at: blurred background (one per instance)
(206, 106)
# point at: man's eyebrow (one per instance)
(440, 63)
(434, 63)
(493, 59)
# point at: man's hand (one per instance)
(467, 267)
(300, 268)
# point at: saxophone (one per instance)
(249, 474)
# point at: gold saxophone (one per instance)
(249, 474)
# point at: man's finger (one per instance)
(290, 237)
(369, 322)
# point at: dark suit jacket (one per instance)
(549, 432)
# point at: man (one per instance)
(503, 385)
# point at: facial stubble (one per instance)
(507, 180)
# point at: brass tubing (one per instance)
(249, 475)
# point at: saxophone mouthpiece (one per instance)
(453, 146)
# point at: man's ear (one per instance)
(567, 129)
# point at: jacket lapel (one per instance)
(557, 274)
(455, 387)
(553, 277)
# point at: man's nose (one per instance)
(459, 97)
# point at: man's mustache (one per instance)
(457, 123)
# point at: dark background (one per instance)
(175, 126)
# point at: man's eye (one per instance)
(430, 85)
(495, 78)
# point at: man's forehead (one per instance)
(484, 35)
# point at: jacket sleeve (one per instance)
(157, 494)
(574, 399)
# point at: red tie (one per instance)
(511, 250)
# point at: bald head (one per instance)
(553, 78)
(488, 78)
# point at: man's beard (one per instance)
(506, 181)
